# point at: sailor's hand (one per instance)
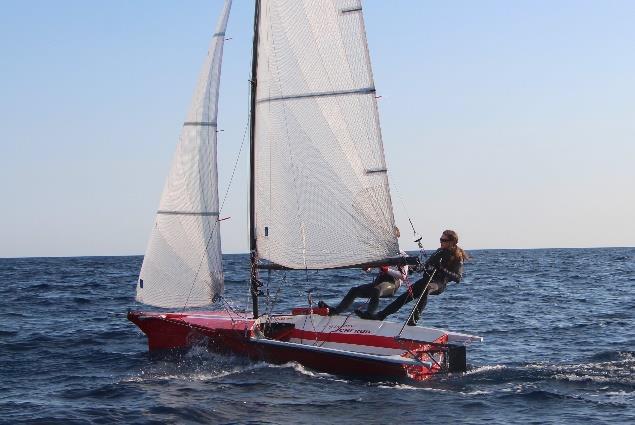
(432, 267)
(435, 260)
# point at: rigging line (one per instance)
(269, 301)
(403, 204)
(200, 263)
(216, 222)
(234, 328)
(422, 253)
(247, 294)
(208, 95)
(374, 111)
(282, 282)
(209, 127)
(432, 358)
(348, 316)
(416, 303)
(275, 298)
(310, 303)
(231, 179)
(417, 358)
(228, 309)
(268, 297)
(298, 292)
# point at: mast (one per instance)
(252, 164)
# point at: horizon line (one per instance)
(246, 253)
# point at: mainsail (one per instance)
(182, 265)
(321, 190)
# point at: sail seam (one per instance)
(201, 123)
(203, 213)
(365, 90)
(352, 9)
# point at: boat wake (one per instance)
(198, 364)
(298, 368)
(610, 373)
(616, 368)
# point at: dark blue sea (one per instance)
(559, 347)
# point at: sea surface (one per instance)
(558, 328)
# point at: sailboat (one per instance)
(319, 199)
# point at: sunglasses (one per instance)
(445, 240)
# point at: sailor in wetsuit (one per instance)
(385, 284)
(444, 265)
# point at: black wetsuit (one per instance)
(384, 285)
(445, 269)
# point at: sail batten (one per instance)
(364, 90)
(182, 265)
(203, 213)
(201, 123)
(321, 191)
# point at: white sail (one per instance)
(321, 194)
(182, 265)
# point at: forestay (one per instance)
(321, 197)
(182, 265)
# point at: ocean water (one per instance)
(559, 347)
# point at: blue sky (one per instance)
(511, 122)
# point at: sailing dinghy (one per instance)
(319, 199)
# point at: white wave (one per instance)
(597, 367)
(197, 375)
(400, 387)
(311, 373)
(582, 378)
(476, 392)
(620, 393)
(485, 369)
(599, 379)
(406, 387)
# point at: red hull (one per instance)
(355, 349)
